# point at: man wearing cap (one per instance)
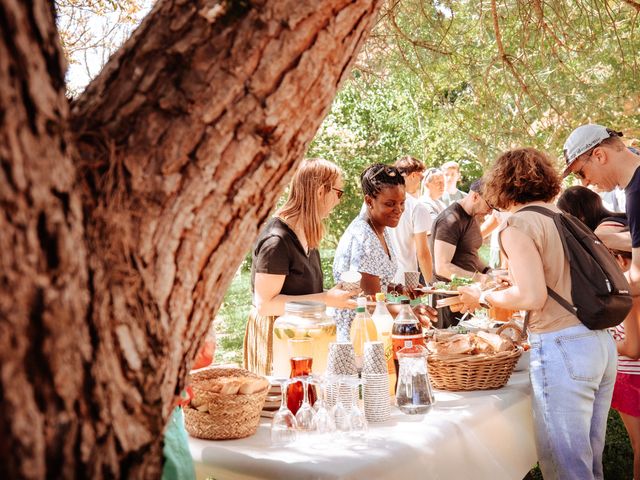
(597, 156)
(455, 241)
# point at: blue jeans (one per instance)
(572, 374)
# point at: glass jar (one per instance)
(302, 321)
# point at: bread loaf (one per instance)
(497, 342)
(253, 385)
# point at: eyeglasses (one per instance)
(488, 204)
(580, 172)
(339, 192)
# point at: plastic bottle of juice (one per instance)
(383, 321)
(362, 330)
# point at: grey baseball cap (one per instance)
(582, 139)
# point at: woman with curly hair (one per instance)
(572, 368)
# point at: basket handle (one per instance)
(513, 326)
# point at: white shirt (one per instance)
(435, 207)
(415, 219)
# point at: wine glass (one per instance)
(339, 411)
(305, 414)
(322, 421)
(357, 420)
(284, 424)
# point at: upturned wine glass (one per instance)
(305, 414)
(284, 425)
(322, 421)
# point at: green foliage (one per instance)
(232, 318)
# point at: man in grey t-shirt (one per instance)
(455, 242)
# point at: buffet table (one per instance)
(481, 435)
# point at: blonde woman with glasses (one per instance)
(286, 261)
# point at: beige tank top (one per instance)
(542, 230)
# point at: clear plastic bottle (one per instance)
(362, 330)
(406, 331)
(383, 321)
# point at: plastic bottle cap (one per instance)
(362, 301)
(380, 297)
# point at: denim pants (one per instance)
(572, 376)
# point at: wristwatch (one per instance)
(483, 299)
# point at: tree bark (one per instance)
(125, 218)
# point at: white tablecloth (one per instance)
(480, 435)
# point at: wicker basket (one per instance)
(458, 372)
(228, 416)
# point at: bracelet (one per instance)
(482, 300)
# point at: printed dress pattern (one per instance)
(360, 250)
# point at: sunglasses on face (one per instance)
(339, 192)
(580, 172)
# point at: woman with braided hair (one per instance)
(366, 247)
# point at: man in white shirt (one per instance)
(434, 188)
(410, 236)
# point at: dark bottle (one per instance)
(300, 366)
(406, 332)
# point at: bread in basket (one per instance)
(226, 403)
(471, 361)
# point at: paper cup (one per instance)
(411, 279)
(341, 359)
(350, 280)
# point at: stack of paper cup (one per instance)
(341, 361)
(377, 405)
(374, 360)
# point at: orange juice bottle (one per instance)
(362, 330)
(384, 324)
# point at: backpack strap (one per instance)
(552, 293)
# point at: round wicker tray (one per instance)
(228, 416)
(457, 372)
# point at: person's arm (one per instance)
(422, 224)
(633, 275)
(489, 225)
(424, 255)
(529, 291)
(269, 301)
(630, 346)
(613, 238)
(443, 254)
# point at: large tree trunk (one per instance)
(124, 219)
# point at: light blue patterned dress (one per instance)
(360, 250)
